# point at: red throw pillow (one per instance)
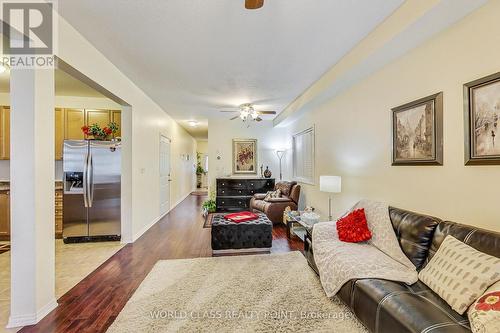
(353, 228)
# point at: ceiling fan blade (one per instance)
(266, 112)
(258, 119)
(228, 111)
(253, 4)
(234, 117)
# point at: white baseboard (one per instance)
(31, 319)
(180, 200)
(152, 223)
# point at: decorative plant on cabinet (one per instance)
(100, 133)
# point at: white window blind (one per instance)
(303, 156)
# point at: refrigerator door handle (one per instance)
(90, 189)
(85, 181)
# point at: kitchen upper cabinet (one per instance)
(4, 133)
(99, 117)
(74, 120)
(116, 117)
(4, 215)
(68, 126)
(59, 129)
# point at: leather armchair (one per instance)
(274, 207)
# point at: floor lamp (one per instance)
(330, 184)
(280, 154)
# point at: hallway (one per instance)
(93, 304)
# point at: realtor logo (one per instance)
(29, 30)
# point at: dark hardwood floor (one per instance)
(93, 304)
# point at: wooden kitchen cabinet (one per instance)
(99, 117)
(116, 117)
(4, 215)
(59, 213)
(59, 129)
(68, 126)
(74, 120)
(4, 133)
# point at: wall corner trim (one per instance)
(138, 234)
(31, 319)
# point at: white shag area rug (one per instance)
(258, 293)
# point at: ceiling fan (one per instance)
(254, 4)
(247, 112)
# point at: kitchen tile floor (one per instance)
(73, 263)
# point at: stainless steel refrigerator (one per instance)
(92, 186)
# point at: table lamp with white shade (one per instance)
(330, 184)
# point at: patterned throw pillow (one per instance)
(273, 194)
(353, 228)
(459, 273)
(484, 313)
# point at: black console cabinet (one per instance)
(234, 194)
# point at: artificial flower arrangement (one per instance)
(100, 133)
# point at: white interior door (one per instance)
(164, 174)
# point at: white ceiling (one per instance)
(195, 56)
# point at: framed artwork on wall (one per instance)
(481, 118)
(245, 156)
(417, 132)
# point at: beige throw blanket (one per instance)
(380, 258)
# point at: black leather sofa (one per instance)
(387, 306)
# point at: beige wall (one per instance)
(222, 132)
(148, 122)
(202, 146)
(353, 130)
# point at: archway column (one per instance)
(32, 195)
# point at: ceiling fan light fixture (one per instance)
(246, 108)
(245, 111)
(254, 114)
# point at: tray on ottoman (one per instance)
(249, 236)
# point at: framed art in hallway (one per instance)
(417, 132)
(245, 156)
(481, 118)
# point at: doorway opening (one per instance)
(202, 165)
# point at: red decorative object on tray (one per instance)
(241, 217)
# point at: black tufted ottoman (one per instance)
(250, 236)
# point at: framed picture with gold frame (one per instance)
(245, 156)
